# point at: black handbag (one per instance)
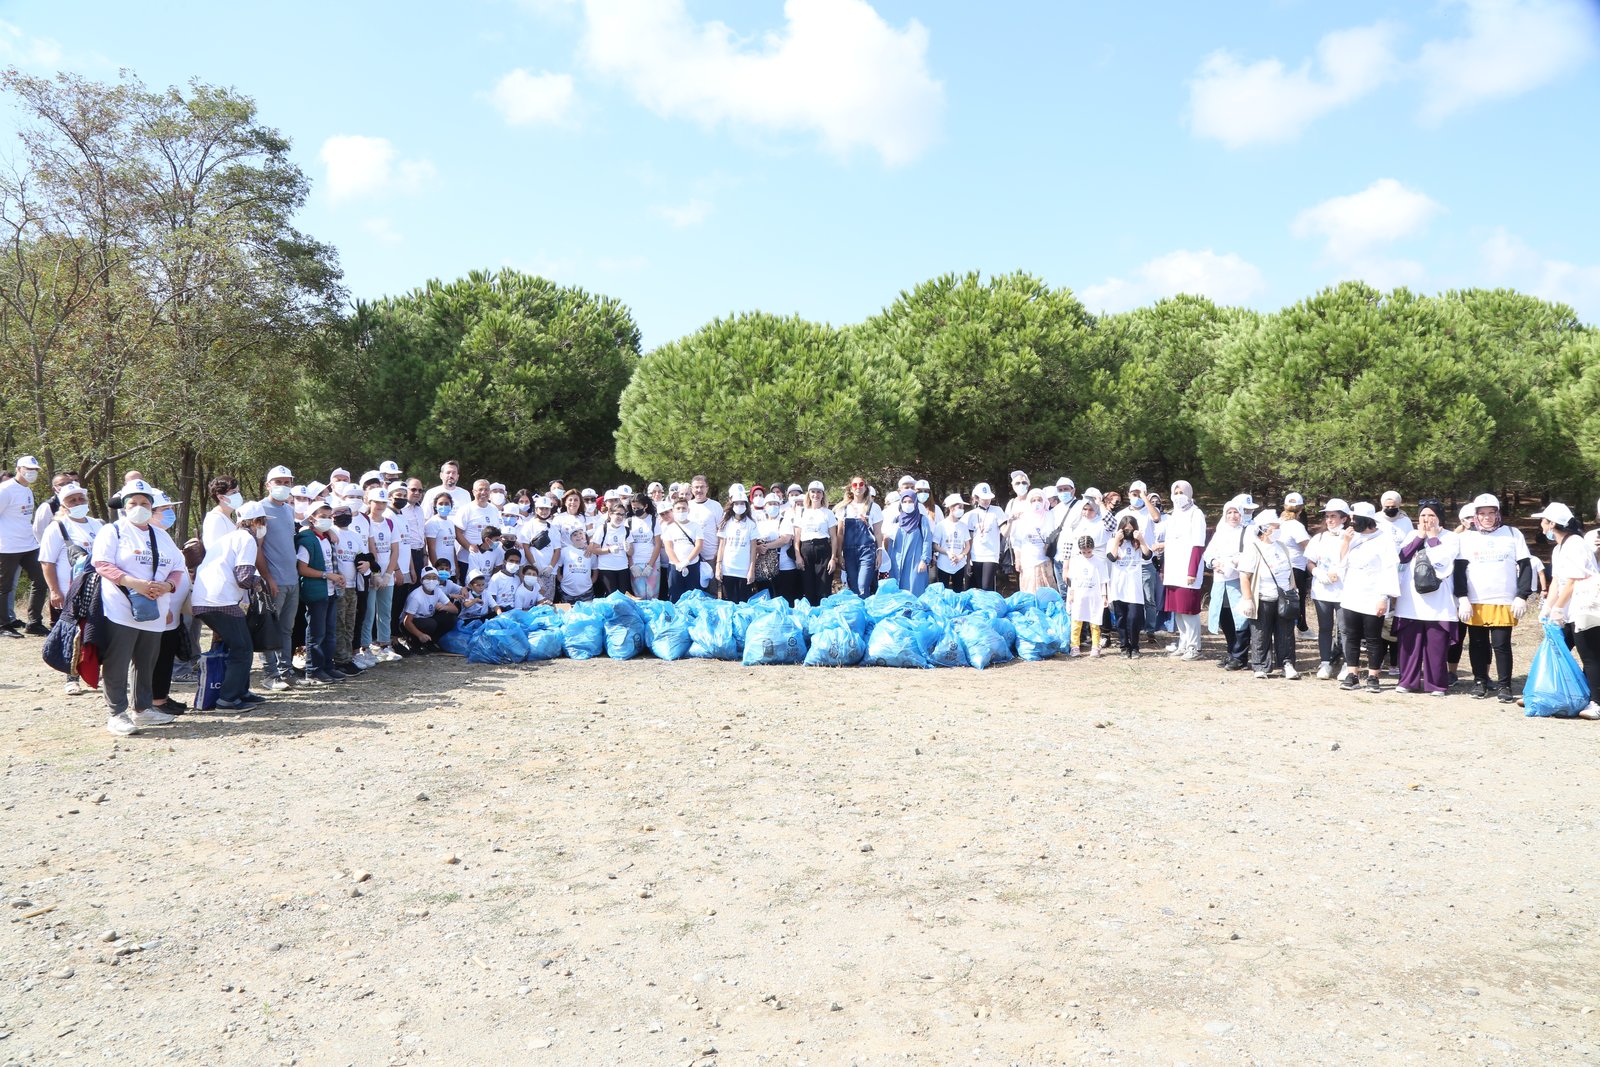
(1423, 576)
(262, 621)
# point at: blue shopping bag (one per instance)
(208, 678)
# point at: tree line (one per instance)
(160, 310)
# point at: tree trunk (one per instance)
(185, 490)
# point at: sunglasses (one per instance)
(858, 485)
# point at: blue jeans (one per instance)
(234, 635)
(860, 558)
(375, 627)
(275, 663)
(322, 628)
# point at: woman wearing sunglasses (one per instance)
(861, 519)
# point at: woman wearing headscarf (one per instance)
(1184, 539)
(1029, 532)
(1494, 579)
(1323, 554)
(143, 582)
(1222, 555)
(1425, 622)
(908, 542)
(1574, 601)
(861, 520)
(1371, 576)
(1271, 601)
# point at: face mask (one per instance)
(923, 497)
(1138, 505)
(234, 500)
(588, 507)
(1039, 508)
(681, 516)
(260, 532)
(429, 585)
(638, 509)
(323, 525)
(138, 515)
(772, 511)
(956, 513)
(165, 518)
(28, 477)
(79, 511)
(398, 505)
(1180, 500)
(908, 506)
(280, 493)
(738, 509)
(1020, 488)
(443, 510)
(497, 499)
(1391, 512)
(513, 566)
(342, 521)
(530, 581)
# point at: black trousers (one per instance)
(1359, 627)
(1272, 636)
(434, 625)
(1484, 640)
(985, 576)
(608, 582)
(1302, 582)
(789, 585)
(161, 675)
(735, 590)
(815, 581)
(1330, 634)
(1587, 642)
(1130, 623)
(10, 562)
(1237, 637)
(954, 582)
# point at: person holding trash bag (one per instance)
(1574, 600)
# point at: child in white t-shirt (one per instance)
(474, 601)
(504, 583)
(1087, 595)
(529, 592)
(577, 584)
(488, 555)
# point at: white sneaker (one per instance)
(1072, 653)
(1261, 674)
(1324, 671)
(1289, 672)
(1590, 712)
(1344, 672)
(389, 655)
(121, 725)
(1094, 651)
(299, 661)
(276, 685)
(152, 717)
(1190, 655)
(74, 688)
(1174, 650)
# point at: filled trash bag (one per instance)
(987, 600)
(1020, 601)
(500, 641)
(458, 639)
(848, 607)
(1036, 638)
(944, 604)
(834, 644)
(624, 626)
(583, 632)
(774, 638)
(1556, 685)
(890, 600)
(897, 642)
(982, 641)
(548, 643)
(711, 633)
(667, 633)
(946, 650)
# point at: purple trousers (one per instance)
(1424, 654)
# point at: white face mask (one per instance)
(772, 511)
(27, 475)
(530, 581)
(324, 525)
(139, 515)
(497, 499)
(260, 532)
(956, 513)
(588, 507)
(429, 585)
(681, 516)
(1180, 500)
(738, 509)
(79, 511)
(908, 506)
(280, 493)
(512, 567)
(1020, 488)
(234, 500)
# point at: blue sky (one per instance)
(696, 159)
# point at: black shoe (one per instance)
(349, 670)
(172, 707)
(1222, 664)
(252, 697)
(37, 629)
(1235, 665)
(1373, 685)
(1350, 684)
(328, 676)
(1134, 653)
(1504, 696)
(15, 626)
(232, 705)
(1480, 690)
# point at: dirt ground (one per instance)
(651, 863)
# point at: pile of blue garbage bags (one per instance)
(891, 628)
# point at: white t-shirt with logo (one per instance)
(53, 547)
(1492, 560)
(816, 524)
(471, 519)
(953, 537)
(614, 540)
(738, 535)
(16, 518)
(128, 547)
(641, 540)
(984, 525)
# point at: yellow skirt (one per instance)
(1492, 615)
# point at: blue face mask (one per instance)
(1138, 505)
(443, 510)
(165, 519)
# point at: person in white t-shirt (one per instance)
(576, 579)
(644, 549)
(226, 500)
(985, 522)
(706, 514)
(19, 550)
(1425, 624)
(449, 476)
(818, 534)
(680, 544)
(381, 537)
(222, 584)
(952, 544)
(1324, 554)
(439, 534)
(65, 545)
(1266, 581)
(1499, 578)
(860, 520)
(529, 593)
(611, 552)
(775, 529)
(1370, 573)
(1029, 532)
(471, 518)
(503, 584)
(737, 548)
(1294, 537)
(1572, 603)
(1128, 551)
(347, 545)
(45, 513)
(429, 612)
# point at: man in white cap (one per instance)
(45, 513)
(19, 550)
(282, 574)
(66, 543)
(390, 472)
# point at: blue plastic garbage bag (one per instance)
(1020, 601)
(987, 600)
(458, 639)
(847, 608)
(897, 641)
(1556, 685)
(889, 600)
(711, 634)
(774, 638)
(666, 630)
(624, 626)
(942, 603)
(834, 644)
(546, 643)
(947, 650)
(500, 641)
(583, 632)
(1035, 637)
(1049, 600)
(983, 641)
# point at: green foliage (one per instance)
(507, 373)
(745, 393)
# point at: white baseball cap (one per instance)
(1064, 482)
(497, 485)
(389, 466)
(474, 576)
(1485, 500)
(1556, 512)
(1363, 509)
(280, 471)
(982, 490)
(138, 485)
(625, 490)
(161, 500)
(1019, 476)
(299, 490)
(1466, 514)
(906, 482)
(68, 489)
(816, 487)
(1269, 517)
(369, 476)
(28, 461)
(1136, 486)
(1293, 500)
(374, 494)
(589, 494)
(736, 492)
(337, 472)
(250, 509)
(1336, 504)
(1052, 493)
(922, 483)
(316, 489)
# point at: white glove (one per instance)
(1519, 607)
(1463, 609)
(1557, 616)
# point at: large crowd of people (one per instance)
(322, 581)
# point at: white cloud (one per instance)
(381, 229)
(1353, 226)
(369, 166)
(836, 68)
(1227, 279)
(524, 98)
(1510, 47)
(683, 216)
(25, 50)
(1240, 104)
(1509, 261)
